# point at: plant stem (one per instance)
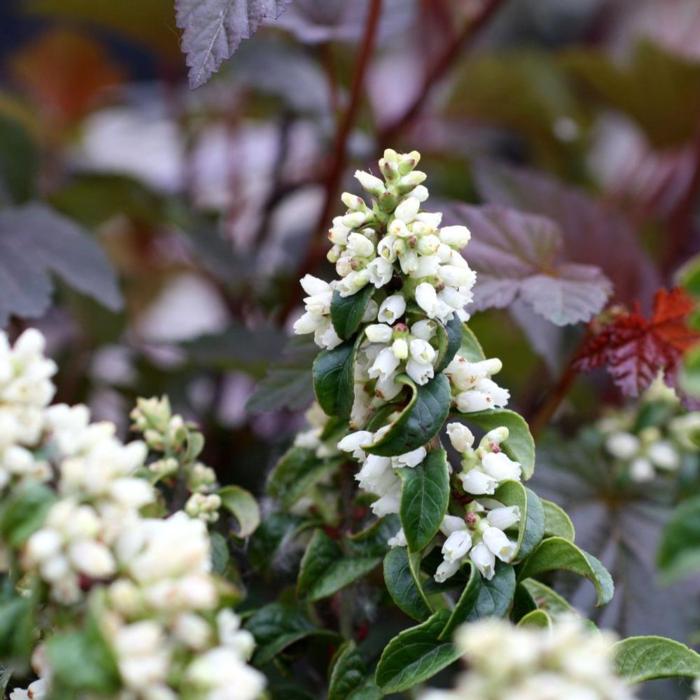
(438, 70)
(336, 166)
(554, 399)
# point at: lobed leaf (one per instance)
(213, 29)
(36, 242)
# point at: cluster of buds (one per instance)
(178, 444)
(653, 437)
(568, 660)
(148, 580)
(472, 386)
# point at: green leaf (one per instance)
(82, 661)
(24, 512)
(495, 596)
(19, 162)
(349, 679)
(556, 522)
(471, 347)
(401, 585)
(425, 495)
(243, 506)
(520, 445)
(333, 379)
(372, 541)
(277, 626)
(17, 629)
(347, 312)
(415, 655)
(220, 556)
(531, 525)
(324, 568)
(419, 421)
(545, 598)
(273, 532)
(679, 551)
(556, 553)
(640, 659)
(465, 603)
(295, 473)
(536, 618)
(449, 341)
(659, 89)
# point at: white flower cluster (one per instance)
(472, 386)
(162, 606)
(312, 437)
(25, 391)
(653, 437)
(479, 536)
(507, 662)
(378, 474)
(392, 241)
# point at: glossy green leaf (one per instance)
(333, 379)
(471, 347)
(325, 569)
(347, 312)
(556, 522)
(277, 626)
(465, 603)
(17, 629)
(349, 676)
(545, 598)
(536, 618)
(449, 341)
(243, 506)
(419, 421)
(23, 512)
(425, 495)
(495, 596)
(640, 659)
(415, 655)
(556, 553)
(295, 473)
(679, 550)
(83, 662)
(531, 525)
(402, 586)
(520, 445)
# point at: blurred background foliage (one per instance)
(157, 234)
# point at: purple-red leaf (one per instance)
(518, 256)
(635, 349)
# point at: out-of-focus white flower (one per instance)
(567, 660)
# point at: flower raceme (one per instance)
(147, 580)
(414, 284)
(506, 662)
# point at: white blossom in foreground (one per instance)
(567, 661)
(472, 386)
(160, 607)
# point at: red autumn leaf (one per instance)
(635, 349)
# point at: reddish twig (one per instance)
(438, 70)
(554, 399)
(339, 155)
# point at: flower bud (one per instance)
(360, 246)
(460, 436)
(379, 333)
(391, 309)
(353, 202)
(370, 183)
(407, 210)
(400, 348)
(455, 236)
